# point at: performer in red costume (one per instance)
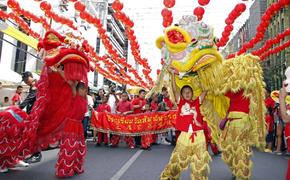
(138, 107)
(124, 107)
(72, 146)
(21, 134)
(104, 107)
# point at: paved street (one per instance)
(121, 163)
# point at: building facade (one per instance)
(274, 66)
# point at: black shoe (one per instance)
(34, 158)
(106, 144)
(98, 144)
(147, 149)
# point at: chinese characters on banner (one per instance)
(134, 124)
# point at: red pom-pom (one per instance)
(169, 3)
(80, 6)
(203, 2)
(198, 11)
(117, 5)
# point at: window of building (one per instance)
(96, 79)
(3, 8)
(282, 24)
(21, 54)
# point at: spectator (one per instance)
(104, 107)
(98, 99)
(270, 130)
(138, 106)
(16, 100)
(86, 119)
(279, 131)
(124, 107)
(285, 116)
(6, 102)
(113, 100)
(27, 77)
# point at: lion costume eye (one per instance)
(176, 39)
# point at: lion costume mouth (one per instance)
(197, 59)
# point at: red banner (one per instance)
(135, 124)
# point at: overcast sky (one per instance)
(147, 18)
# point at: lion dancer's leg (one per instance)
(199, 163)
(187, 153)
(235, 145)
(72, 151)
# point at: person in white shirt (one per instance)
(87, 117)
(113, 99)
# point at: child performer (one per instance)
(72, 146)
(191, 144)
(124, 107)
(104, 107)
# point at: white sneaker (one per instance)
(5, 170)
(21, 164)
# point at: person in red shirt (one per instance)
(154, 106)
(190, 148)
(104, 107)
(16, 100)
(139, 107)
(124, 107)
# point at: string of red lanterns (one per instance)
(135, 48)
(28, 15)
(46, 8)
(167, 13)
(270, 42)
(199, 11)
(265, 20)
(275, 50)
(105, 40)
(234, 14)
(22, 24)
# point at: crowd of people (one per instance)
(277, 141)
(120, 102)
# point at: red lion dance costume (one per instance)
(50, 118)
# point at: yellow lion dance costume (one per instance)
(234, 100)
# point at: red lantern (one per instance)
(12, 4)
(229, 27)
(45, 6)
(80, 6)
(203, 2)
(241, 7)
(169, 3)
(229, 21)
(166, 12)
(198, 11)
(117, 5)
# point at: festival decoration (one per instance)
(199, 11)
(134, 125)
(262, 27)
(203, 2)
(234, 14)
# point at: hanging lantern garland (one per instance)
(199, 11)
(22, 24)
(28, 15)
(275, 50)
(265, 20)
(167, 13)
(105, 40)
(46, 8)
(270, 42)
(135, 48)
(234, 14)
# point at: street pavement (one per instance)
(103, 163)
